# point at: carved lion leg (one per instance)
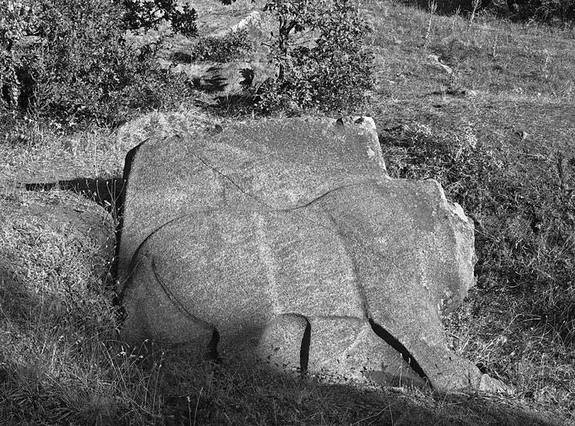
(343, 345)
(152, 311)
(283, 343)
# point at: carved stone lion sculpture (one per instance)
(288, 240)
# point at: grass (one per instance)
(498, 133)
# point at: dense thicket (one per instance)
(333, 72)
(69, 61)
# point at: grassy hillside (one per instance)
(498, 132)
(486, 107)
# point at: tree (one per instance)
(333, 73)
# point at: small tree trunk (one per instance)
(283, 44)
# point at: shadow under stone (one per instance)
(234, 391)
(106, 192)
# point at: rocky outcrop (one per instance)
(289, 241)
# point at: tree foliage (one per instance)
(17, 19)
(68, 60)
(333, 72)
(150, 13)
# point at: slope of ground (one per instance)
(487, 108)
(493, 92)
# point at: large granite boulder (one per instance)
(286, 239)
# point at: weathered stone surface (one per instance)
(349, 348)
(281, 342)
(288, 239)
(274, 166)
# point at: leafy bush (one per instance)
(331, 74)
(232, 46)
(16, 21)
(222, 49)
(149, 14)
(76, 66)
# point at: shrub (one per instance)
(77, 67)
(149, 14)
(231, 46)
(16, 21)
(222, 49)
(333, 73)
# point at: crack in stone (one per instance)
(399, 347)
(304, 349)
(320, 197)
(230, 180)
(271, 208)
